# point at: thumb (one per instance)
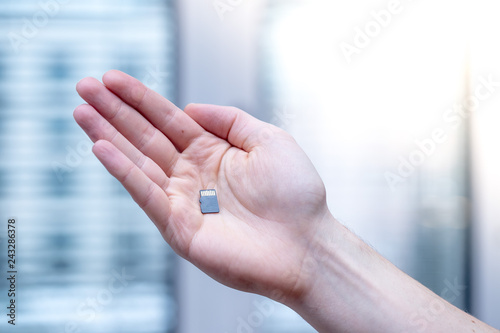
(232, 124)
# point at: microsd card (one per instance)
(208, 201)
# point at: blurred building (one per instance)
(77, 228)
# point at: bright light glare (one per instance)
(402, 82)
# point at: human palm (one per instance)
(269, 194)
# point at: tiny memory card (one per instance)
(208, 201)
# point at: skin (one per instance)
(267, 239)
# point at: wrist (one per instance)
(319, 248)
(347, 286)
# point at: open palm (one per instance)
(270, 195)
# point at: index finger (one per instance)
(163, 114)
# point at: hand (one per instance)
(273, 216)
(271, 198)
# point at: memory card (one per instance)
(208, 201)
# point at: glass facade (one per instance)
(88, 259)
(359, 135)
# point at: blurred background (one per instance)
(396, 103)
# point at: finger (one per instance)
(232, 124)
(164, 115)
(133, 126)
(148, 195)
(98, 128)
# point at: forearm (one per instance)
(351, 288)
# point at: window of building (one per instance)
(76, 231)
